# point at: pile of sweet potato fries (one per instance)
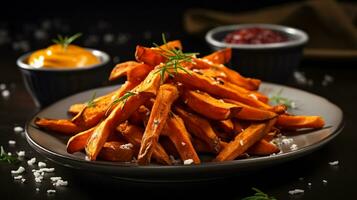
(174, 103)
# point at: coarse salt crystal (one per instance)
(18, 129)
(12, 142)
(56, 178)
(47, 170)
(287, 141)
(296, 191)
(5, 93)
(18, 171)
(127, 146)
(37, 189)
(17, 177)
(188, 162)
(23, 180)
(31, 161)
(309, 184)
(60, 183)
(293, 147)
(253, 96)
(21, 153)
(38, 179)
(51, 191)
(41, 164)
(9, 153)
(183, 143)
(241, 142)
(324, 182)
(333, 163)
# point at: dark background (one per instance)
(31, 26)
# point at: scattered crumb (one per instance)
(333, 163)
(60, 183)
(18, 129)
(309, 184)
(41, 164)
(324, 182)
(31, 161)
(20, 170)
(21, 153)
(23, 180)
(293, 147)
(287, 141)
(17, 177)
(37, 189)
(296, 191)
(127, 146)
(188, 162)
(12, 142)
(51, 191)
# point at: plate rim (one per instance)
(278, 158)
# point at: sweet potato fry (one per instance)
(225, 125)
(63, 126)
(79, 141)
(222, 56)
(134, 134)
(263, 148)
(153, 56)
(251, 113)
(76, 108)
(175, 129)
(90, 116)
(209, 106)
(296, 122)
(244, 140)
(121, 112)
(166, 96)
(117, 151)
(216, 88)
(199, 127)
(135, 71)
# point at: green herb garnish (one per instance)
(4, 157)
(65, 41)
(175, 58)
(278, 99)
(259, 195)
(123, 99)
(91, 103)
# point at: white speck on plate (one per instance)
(20, 170)
(333, 163)
(188, 162)
(296, 191)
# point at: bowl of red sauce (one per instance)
(266, 51)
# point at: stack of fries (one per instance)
(174, 103)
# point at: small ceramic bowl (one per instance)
(47, 85)
(273, 62)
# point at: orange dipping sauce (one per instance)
(56, 56)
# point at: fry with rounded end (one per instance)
(263, 148)
(296, 122)
(251, 113)
(79, 141)
(244, 140)
(221, 56)
(166, 96)
(63, 126)
(117, 151)
(209, 106)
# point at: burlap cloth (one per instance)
(330, 25)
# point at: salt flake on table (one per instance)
(296, 191)
(20, 170)
(18, 129)
(333, 163)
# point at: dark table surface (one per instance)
(276, 181)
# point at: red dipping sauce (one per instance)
(254, 36)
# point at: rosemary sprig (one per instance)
(123, 99)
(91, 103)
(259, 195)
(4, 157)
(278, 99)
(175, 58)
(65, 41)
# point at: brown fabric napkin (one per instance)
(330, 25)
